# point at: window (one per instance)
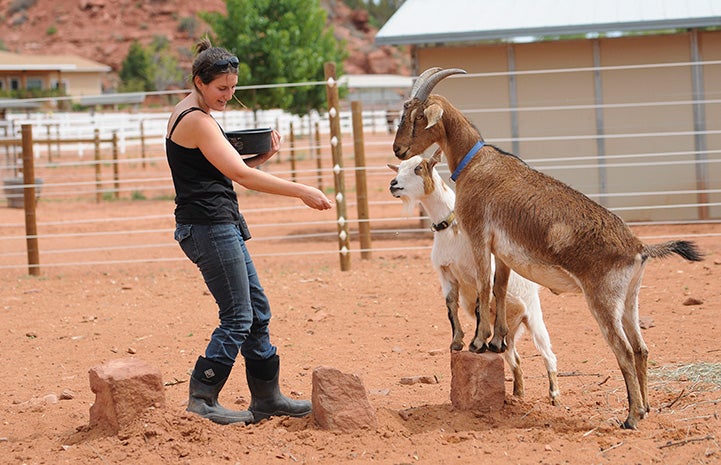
(14, 83)
(62, 85)
(35, 83)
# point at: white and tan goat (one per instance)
(418, 182)
(539, 227)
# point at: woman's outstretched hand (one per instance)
(316, 199)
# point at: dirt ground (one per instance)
(385, 320)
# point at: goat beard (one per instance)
(408, 206)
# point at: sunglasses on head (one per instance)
(225, 62)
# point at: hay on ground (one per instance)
(706, 375)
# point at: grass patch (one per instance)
(702, 374)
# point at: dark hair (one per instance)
(206, 57)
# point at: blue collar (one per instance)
(466, 159)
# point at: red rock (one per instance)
(380, 61)
(477, 381)
(646, 322)
(359, 19)
(340, 401)
(419, 379)
(123, 389)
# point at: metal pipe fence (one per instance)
(105, 195)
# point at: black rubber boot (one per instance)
(207, 380)
(266, 400)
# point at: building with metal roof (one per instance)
(451, 21)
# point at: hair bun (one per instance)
(202, 45)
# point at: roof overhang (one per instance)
(112, 99)
(375, 81)
(510, 34)
(426, 22)
(49, 63)
(27, 67)
(18, 103)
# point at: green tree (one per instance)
(136, 72)
(165, 70)
(278, 42)
(150, 68)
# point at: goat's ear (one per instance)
(433, 113)
(435, 158)
(393, 167)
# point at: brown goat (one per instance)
(539, 227)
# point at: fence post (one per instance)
(331, 89)
(14, 149)
(57, 138)
(292, 153)
(50, 144)
(318, 155)
(278, 158)
(31, 227)
(142, 141)
(361, 185)
(699, 126)
(116, 167)
(98, 184)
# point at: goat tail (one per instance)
(685, 249)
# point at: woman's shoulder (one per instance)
(194, 115)
(187, 111)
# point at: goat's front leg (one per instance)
(452, 305)
(450, 288)
(500, 326)
(483, 304)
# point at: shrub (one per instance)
(188, 25)
(20, 5)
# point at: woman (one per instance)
(212, 233)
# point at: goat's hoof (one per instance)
(629, 424)
(498, 349)
(456, 346)
(477, 350)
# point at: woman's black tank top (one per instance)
(203, 195)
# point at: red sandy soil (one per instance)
(385, 320)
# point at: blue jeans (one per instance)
(221, 256)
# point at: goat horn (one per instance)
(424, 75)
(426, 86)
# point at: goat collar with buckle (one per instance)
(445, 223)
(471, 153)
